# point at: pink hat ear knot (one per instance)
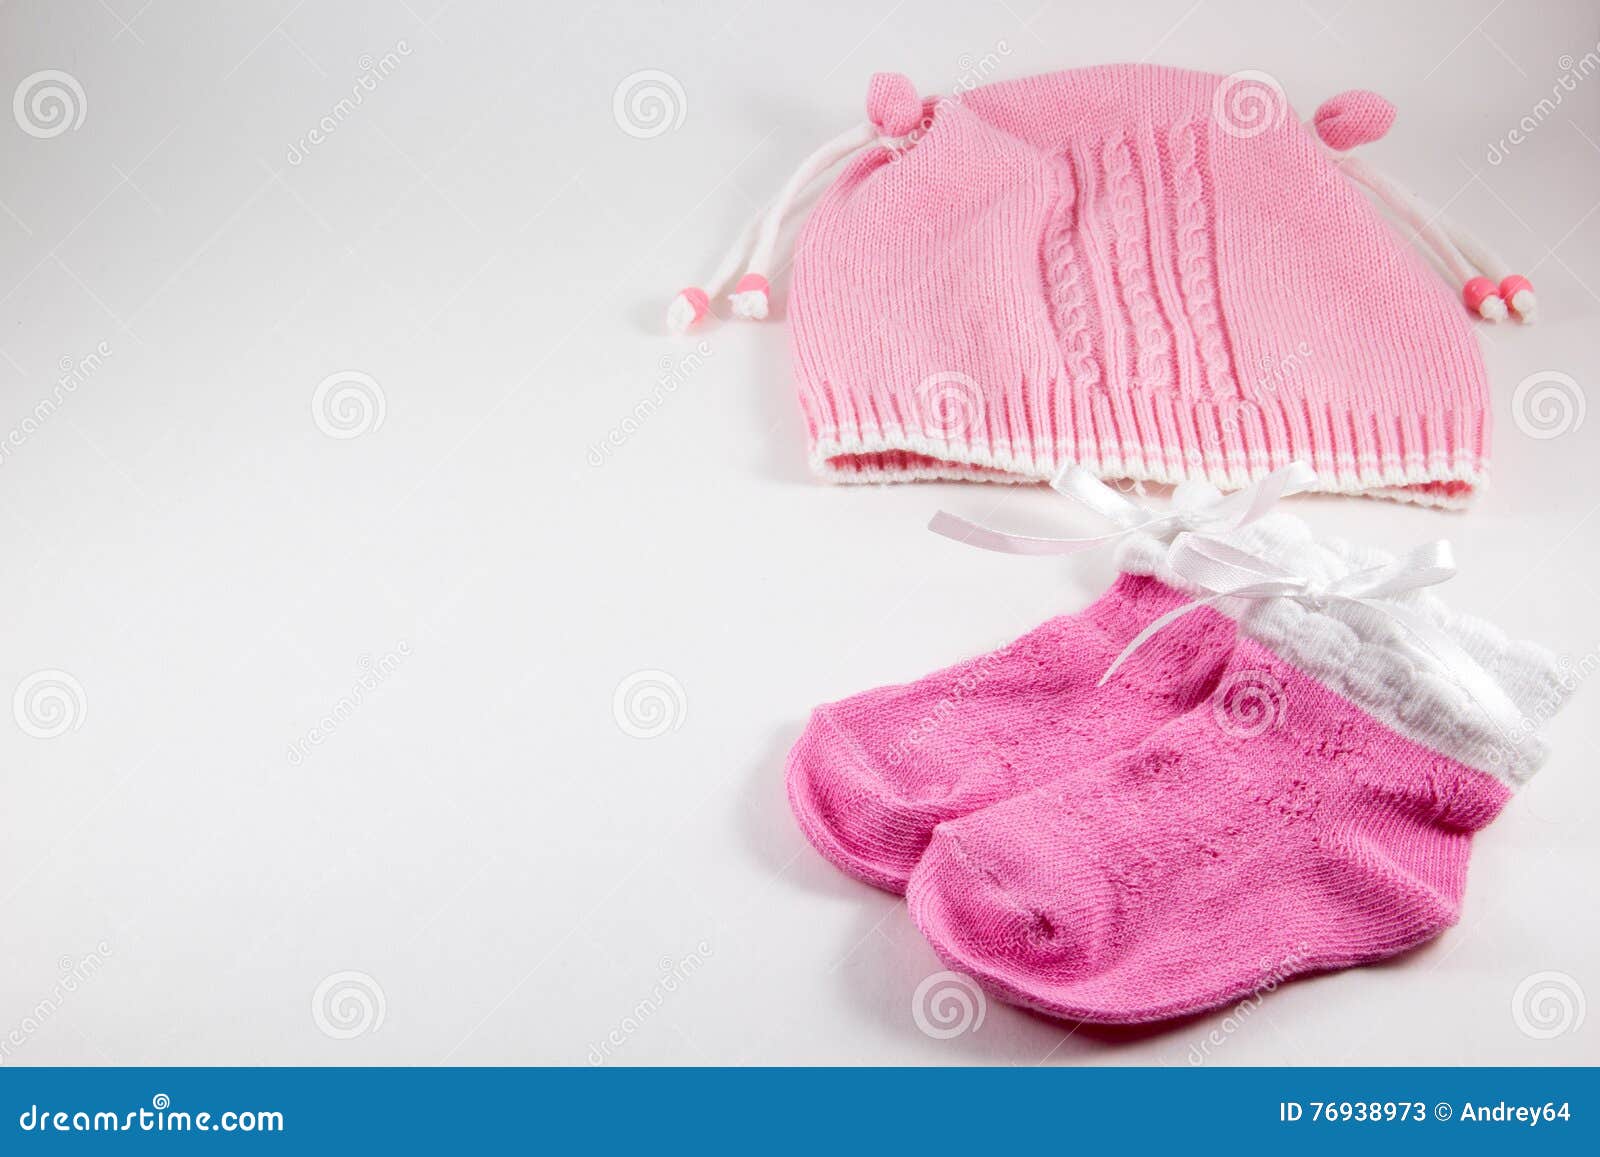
(893, 104)
(1353, 118)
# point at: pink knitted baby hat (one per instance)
(1154, 273)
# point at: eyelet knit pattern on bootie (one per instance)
(1315, 813)
(873, 775)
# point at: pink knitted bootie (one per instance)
(1315, 813)
(873, 775)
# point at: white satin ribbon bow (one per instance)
(1223, 514)
(1224, 572)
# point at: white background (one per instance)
(506, 866)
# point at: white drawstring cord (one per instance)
(692, 304)
(1514, 289)
(1487, 284)
(749, 298)
(1488, 287)
(1355, 118)
(1424, 221)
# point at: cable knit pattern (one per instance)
(1133, 268)
(1194, 257)
(1127, 285)
(1067, 300)
(1369, 659)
